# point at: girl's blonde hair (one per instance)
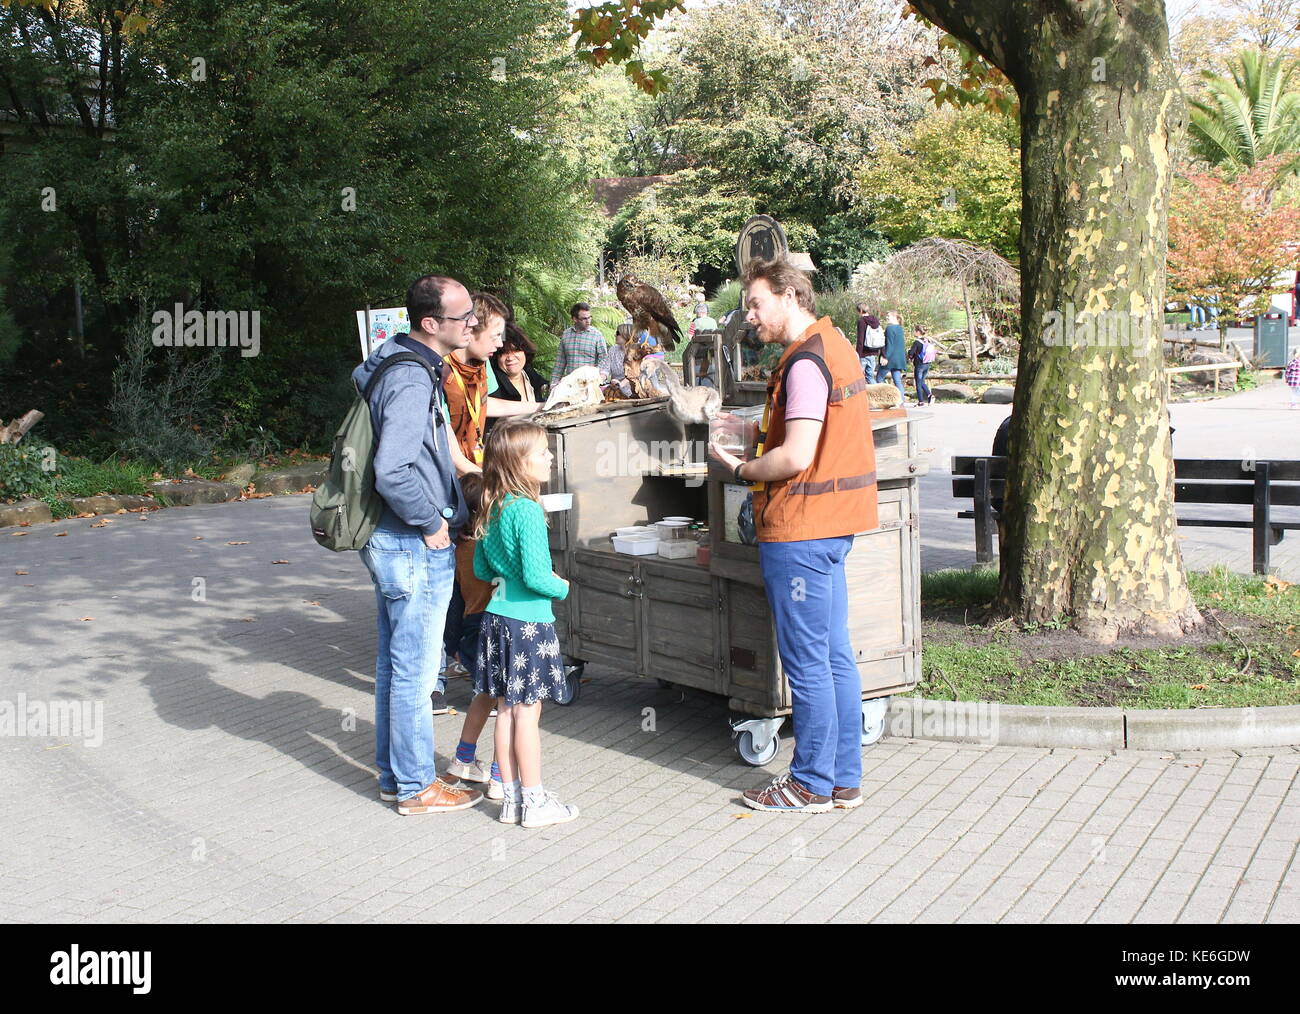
(505, 473)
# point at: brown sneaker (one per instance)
(438, 798)
(784, 795)
(846, 799)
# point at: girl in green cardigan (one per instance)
(519, 660)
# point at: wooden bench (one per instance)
(983, 480)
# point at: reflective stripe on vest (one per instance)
(831, 485)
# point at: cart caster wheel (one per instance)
(874, 713)
(572, 685)
(745, 747)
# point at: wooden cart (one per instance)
(710, 628)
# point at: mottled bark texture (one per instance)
(1089, 529)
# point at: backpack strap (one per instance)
(393, 360)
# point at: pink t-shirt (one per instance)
(806, 392)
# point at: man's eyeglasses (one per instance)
(463, 318)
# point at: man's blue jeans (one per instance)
(412, 588)
(808, 595)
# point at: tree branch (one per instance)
(985, 25)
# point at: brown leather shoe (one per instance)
(438, 798)
(846, 799)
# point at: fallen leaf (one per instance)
(85, 514)
(1199, 686)
(19, 535)
(101, 524)
(197, 538)
(236, 543)
(305, 600)
(24, 524)
(23, 573)
(1296, 653)
(279, 561)
(246, 619)
(86, 619)
(157, 475)
(190, 473)
(60, 535)
(741, 816)
(1216, 595)
(120, 510)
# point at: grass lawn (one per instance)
(1248, 653)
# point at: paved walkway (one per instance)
(234, 778)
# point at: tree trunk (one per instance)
(1089, 529)
(970, 326)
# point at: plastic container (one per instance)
(670, 530)
(636, 530)
(552, 502)
(688, 521)
(636, 545)
(677, 549)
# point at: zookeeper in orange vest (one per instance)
(814, 485)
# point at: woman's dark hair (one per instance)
(514, 340)
(873, 320)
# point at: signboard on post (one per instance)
(374, 327)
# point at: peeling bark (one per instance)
(1089, 530)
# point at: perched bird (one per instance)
(577, 390)
(649, 310)
(687, 404)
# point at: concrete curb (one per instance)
(991, 723)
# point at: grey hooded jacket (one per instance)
(414, 473)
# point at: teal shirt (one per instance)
(513, 555)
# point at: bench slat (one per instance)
(1197, 468)
(1233, 493)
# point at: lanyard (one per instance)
(473, 416)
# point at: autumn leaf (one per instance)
(236, 543)
(197, 538)
(101, 524)
(60, 535)
(23, 573)
(279, 561)
(1199, 686)
(85, 619)
(19, 535)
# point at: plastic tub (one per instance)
(677, 549)
(669, 530)
(556, 502)
(636, 545)
(636, 530)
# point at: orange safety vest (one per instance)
(466, 391)
(836, 494)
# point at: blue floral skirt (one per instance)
(517, 660)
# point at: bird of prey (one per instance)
(649, 310)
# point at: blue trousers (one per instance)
(808, 595)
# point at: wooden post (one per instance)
(983, 513)
(1263, 500)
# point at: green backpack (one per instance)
(345, 509)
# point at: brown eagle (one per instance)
(649, 310)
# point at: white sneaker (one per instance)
(550, 812)
(509, 811)
(474, 771)
(495, 789)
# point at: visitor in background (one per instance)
(580, 345)
(512, 365)
(702, 321)
(922, 354)
(871, 342)
(893, 360)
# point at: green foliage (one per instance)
(163, 409)
(331, 151)
(977, 586)
(1249, 116)
(25, 468)
(921, 300)
(541, 301)
(841, 306)
(957, 176)
(999, 367)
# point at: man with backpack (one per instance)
(871, 342)
(922, 354)
(410, 553)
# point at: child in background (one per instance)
(1292, 377)
(518, 659)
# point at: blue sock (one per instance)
(496, 771)
(465, 752)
